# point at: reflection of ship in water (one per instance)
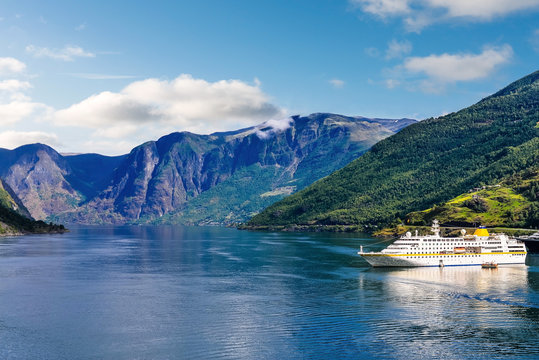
(454, 312)
(433, 285)
(435, 250)
(469, 278)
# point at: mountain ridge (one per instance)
(157, 180)
(426, 163)
(15, 218)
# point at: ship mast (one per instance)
(435, 228)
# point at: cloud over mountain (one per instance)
(12, 139)
(187, 103)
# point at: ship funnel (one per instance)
(482, 231)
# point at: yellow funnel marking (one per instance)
(481, 232)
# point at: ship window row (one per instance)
(438, 256)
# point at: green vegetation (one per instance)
(425, 164)
(12, 223)
(513, 203)
(235, 199)
(5, 199)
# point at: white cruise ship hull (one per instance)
(478, 249)
(390, 260)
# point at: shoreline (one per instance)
(387, 232)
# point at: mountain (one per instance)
(48, 183)
(10, 200)
(510, 203)
(427, 163)
(188, 178)
(14, 217)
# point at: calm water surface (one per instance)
(188, 293)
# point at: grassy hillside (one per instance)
(427, 163)
(512, 203)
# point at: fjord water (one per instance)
(180, 292)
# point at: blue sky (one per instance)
(96, 76)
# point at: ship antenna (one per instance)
(435, 228)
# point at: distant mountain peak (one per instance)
(230, 175)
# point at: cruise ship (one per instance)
(532, 242)
(435, 250)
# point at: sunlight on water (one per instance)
(172, 292)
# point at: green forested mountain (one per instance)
(425, 164)
(511, 203)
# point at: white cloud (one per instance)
(273, 126)
(433, 73)
(15, 105)
(482, 9)
(187, 103)
(396, 49)
(383, 8)
(68, 53)
(10, 66)
(392, 83)
(447, 68)
(417, 14)
(14, 139)
(81, 27)
(13, 85)
(117, 131)
(106, 108)
(20, 109)
(337, 83)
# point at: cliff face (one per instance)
(37, 174)
(159, 180)
(48, 183)
(15, 218)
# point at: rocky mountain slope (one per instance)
(427, 163)
(47, 182)
(190, 178)
(15, 218)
